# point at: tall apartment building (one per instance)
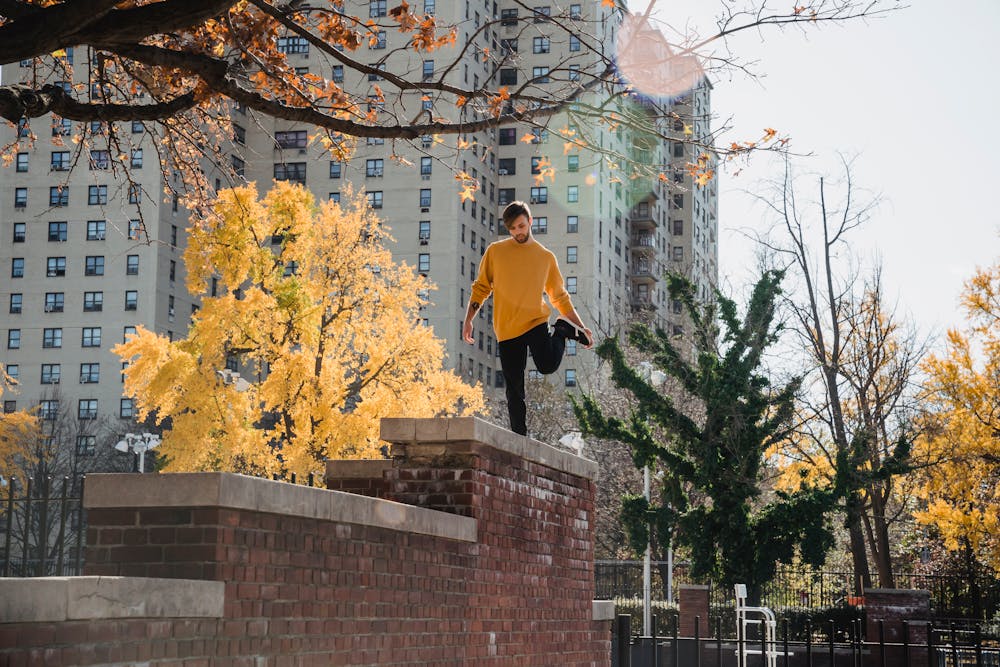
(85, 260)
(614, 228)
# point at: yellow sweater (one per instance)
(517, 275)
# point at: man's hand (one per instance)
(467, 333)
(590, 337)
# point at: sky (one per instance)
(912, 99)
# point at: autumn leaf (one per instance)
(528, 138)
(468, 193)
(769, 133)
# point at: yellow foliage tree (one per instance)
(18, 431)
(323, 324)
(962, 492)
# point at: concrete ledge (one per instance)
(604, 610)
(364, 469)
(444, 430)
(217, 489)
(53, 599)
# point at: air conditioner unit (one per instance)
(502, 172)
(534, 200)
(424, 241)
(425, 177)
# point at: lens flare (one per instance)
(650, 64)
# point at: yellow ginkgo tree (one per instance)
(962, 491)
(324, 325)
(18, 431)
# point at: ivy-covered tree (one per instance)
(710, 459)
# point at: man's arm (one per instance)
(559, 297)
(470, 313)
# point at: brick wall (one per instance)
(504, 578)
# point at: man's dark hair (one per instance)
(515, 210)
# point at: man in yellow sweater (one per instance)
(517, 271)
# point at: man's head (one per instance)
(517, 220)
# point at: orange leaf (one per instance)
(608, 3)
(528, 137)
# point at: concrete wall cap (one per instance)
(897, 591)
(408, 430)
(229, 490)
(693, 587)
(604, 610)
(55, 599)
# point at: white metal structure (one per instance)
(745, 618)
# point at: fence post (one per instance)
(809, 645)
(906, 644)
(697, 641)
(10, 527)
(784, 638)
(833, 631)
(25, 557)
(62, 527)
(881, 642)
(624, 639)
(954, 645)
(718, 641)
(80, 532)
(43, 529)
(979, 645)
(930, 645)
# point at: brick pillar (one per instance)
(365, 478)
(692, 601)
(892, 607)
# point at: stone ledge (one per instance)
(443, 430)
(360, 469)
(604, 610)
(54, 599)
(229, 490)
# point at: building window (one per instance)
(86, 445)
(573, 163)
(574, 43)
(22, 125)
(375, 199)
(16, 303)
(425, 230)
(20, 197)
(9, 407)
(57, 231)
(13, 339)
(571, 348)
(14, 372)
(54, 302)
(508, 17)
(540, 74)
(570, 377)
(100, 159)
(377, 41)
(94, 265)
(508, 136)
(424, 262)
(239, 166)
(51, 338)
(535, 164)
(137, 127)
(131, 299)
(132, 265)
(126, 409)
(290, 171)
(172, 273)
(336, 169)
(373, 168)
(17, 267)
(135, 191)
(135, 229)
(55, 267)
(539, 195)
(678, 227)
(571, 254)
(93, 302)
(59, 196)
(87, 409)
(291, 139)
(170, 306)
(508, 77)
(430, 6)
(136, 160)
(678, 253)
(96, 195)
(572, 193)
(541, 14)
(91, 337)
(540, 225)
(59, 161)
(20, 232)
(338, 74)
(571, 284)
(508, 166)
(425, 197)
(540, 45)
(428, 70)
(425, 166)
(239, 134)
(128, 332)
(334, 197)
(376, 8)
(21, 162)
(506, 196)
(90, 373)
(508, 47)
(96, 230)
(48, 410)
(293, 45)
(572, 224)
(678, 202)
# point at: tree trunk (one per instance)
(862, 574)
(880, 548)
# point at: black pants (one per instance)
(547, 352)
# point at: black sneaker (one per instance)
(570, 331)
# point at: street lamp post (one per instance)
(139, 443)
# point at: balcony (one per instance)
(643, 245)
(642, 301)
(644, 272)
(642, 218)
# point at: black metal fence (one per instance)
(919, 644)
(951, 596)
(42, 528)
